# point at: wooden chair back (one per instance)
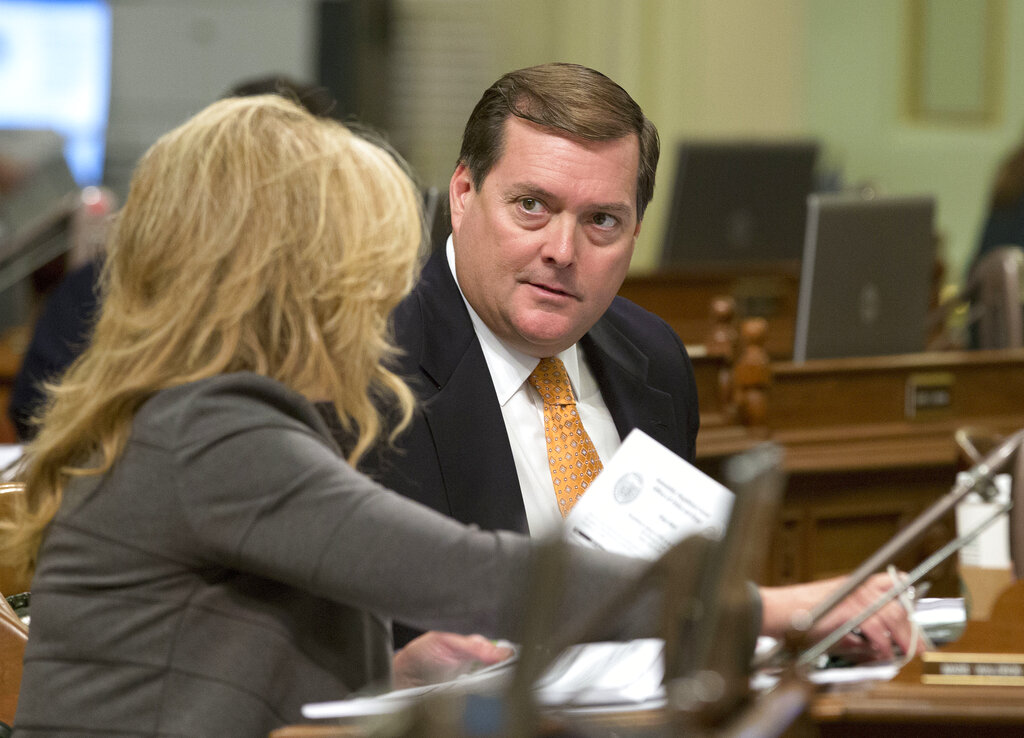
(13, 637)
(11, 581)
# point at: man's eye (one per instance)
(530, 204)
(604, 220)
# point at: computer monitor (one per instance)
(35, 213)
(866, 276)
(55, 75)
(739, 201)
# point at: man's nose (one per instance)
(560, 245)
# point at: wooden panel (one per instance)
(13, 636)
(861, 463)
(709, 373)
(12, 649)
(10, 360)
(11, 581)
(683, 299)
(842, 392)
(895, 709)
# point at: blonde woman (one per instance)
(206, 561)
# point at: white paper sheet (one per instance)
(590, 675)
(647, 499)
(9, 453)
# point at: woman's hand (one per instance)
(438, 657)
(874, 640)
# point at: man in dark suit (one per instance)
(539, 256)
(457, 458)
(556, 168)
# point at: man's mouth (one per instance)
(551, 289)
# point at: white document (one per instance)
(488, 680)
(9, 453)
(647, 499)
(590, 675)
(594, 674)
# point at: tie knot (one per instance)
(552, 382)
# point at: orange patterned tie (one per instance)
(572, 458)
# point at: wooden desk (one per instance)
(896, 709)
(868, 444)
(682, 298)
(887, 710)
(905, 706)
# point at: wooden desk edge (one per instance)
(920, 703)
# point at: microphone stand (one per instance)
(907, 582)
(978, 479)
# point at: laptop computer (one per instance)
(739, 201)
(866, 276)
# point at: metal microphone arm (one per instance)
(977, 479)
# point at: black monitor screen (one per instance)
(739, 201)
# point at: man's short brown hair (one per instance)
(574, 99)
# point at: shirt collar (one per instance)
(509, 367)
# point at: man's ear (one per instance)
(460, 188)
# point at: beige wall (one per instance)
(857, 103)
(836, 69)
(697, 67)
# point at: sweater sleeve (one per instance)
(266, 494)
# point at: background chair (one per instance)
(13, 632)
(996, 315)
(988, 313)
(13, 636)
(11, 580)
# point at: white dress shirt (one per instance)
(523, 412)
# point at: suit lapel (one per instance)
(462, 411)
(464, 418)
(620, 369)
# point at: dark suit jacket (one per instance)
(455, 457)
(60, 335)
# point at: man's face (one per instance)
(543, 246)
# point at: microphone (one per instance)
(977, 479)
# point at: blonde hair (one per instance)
(255, 237)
